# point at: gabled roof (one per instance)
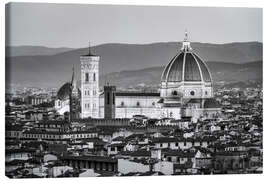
(117, 145)
(164, 139)
(137, 94)
(14, 128)
(22, 150)
(180, 153)
(211, 103)
(90, 158)
(138, 153)
(55, 122)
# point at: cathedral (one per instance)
(186, 90)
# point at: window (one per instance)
(138, 103)
(169, 159)
(108, 97)
(169, 144)
(122, 103)
(113, 98)
(185, 143)
(161, 144)
(88, 92)
(176, 144)
(206, 93)
(94, 92)
(86, 77)
(192, 93)
(153, 103)
(174, 93)
(94, 77)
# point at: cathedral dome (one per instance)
(186, 66)
(64, 91)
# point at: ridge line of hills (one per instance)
(32, 50)
(228, 62)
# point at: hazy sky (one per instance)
(69, 25)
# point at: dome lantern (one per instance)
(186, 44)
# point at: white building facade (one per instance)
(90, 85)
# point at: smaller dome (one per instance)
(64, 91)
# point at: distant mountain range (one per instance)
(227, 72)
(131, 63)
(13, 51)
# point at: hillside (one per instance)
(33, 50)
(228, 72)
(53, 70)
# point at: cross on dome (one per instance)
(186, 36)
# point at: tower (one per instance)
(109, 102)
(89, 85)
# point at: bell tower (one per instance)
(89, 85)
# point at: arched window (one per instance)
(94, 77)
(113, 98)
(108, 97)
(174, 93)
(86, 77)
